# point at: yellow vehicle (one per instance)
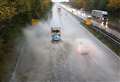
(88, 21)
(35, 21)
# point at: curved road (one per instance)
(80, 57)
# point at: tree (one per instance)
(10, 8)
(114, 4)
(114, 7)
(98, 4)
(7, 10)
(80, 3)
(40, 7)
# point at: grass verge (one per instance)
(8, 35)
(113, 46)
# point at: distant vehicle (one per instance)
(102, 16)
(99, 14)
(59, 9)
(88, 21)
(56, 33)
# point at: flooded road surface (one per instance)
(79, 57)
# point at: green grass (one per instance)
(8, 37)
(114, 47)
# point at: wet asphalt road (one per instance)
(79, 57)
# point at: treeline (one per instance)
(15, 14)
(113, 6)
(10, 8)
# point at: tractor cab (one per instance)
(56, 33)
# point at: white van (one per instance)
(99, 14)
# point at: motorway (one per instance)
(79, 57)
